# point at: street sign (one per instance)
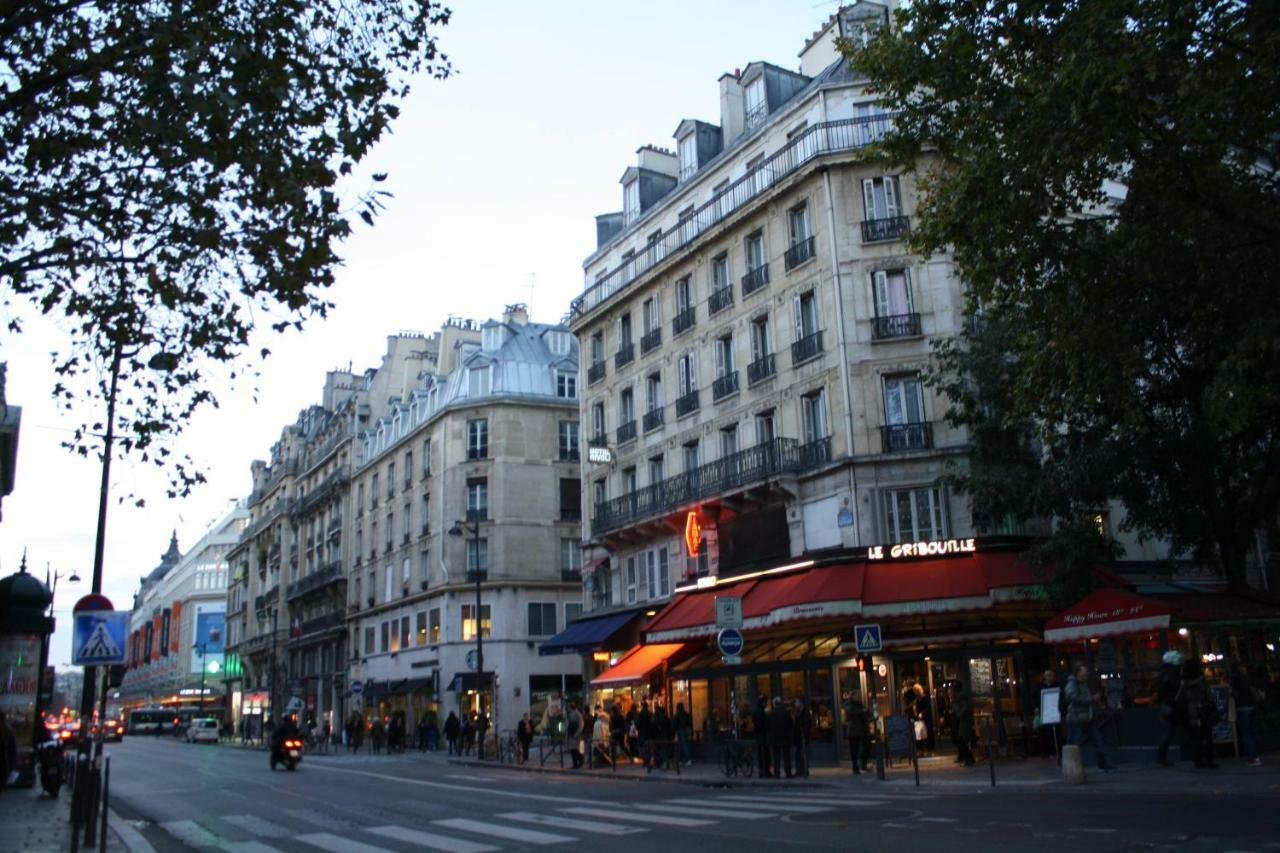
(98, 637)
(357, 687)
(731, 660)
(92, 601)
(730, 642)
(473, 659)
(728, 611)
(866, 638)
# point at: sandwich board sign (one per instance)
(99, 632)
(866, 638)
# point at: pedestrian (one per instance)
(779, 738)
(244, 729)
(377, 735)
(1083, 719)
(422, 733)
(617, 728)
(683, 725)
(1246, 698)
(603, 740)
(663, 737)
(923, 724)
(524, 736)
(468, 733)
(1198, 704)
(8, 753)
(452, 728)
(856, 728)
(962, 728)
(1172, 713)
(760, 727)
(802, 726)
(573, 734)
(433, 733)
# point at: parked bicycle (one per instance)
(737, 758)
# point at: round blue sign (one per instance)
(730, 641)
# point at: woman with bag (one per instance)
(1082, 720)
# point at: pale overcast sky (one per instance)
(497, 175)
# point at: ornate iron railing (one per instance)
(724, 385)
(914, 436)
(798, 253)
(687, 403)
(684, 321)
(888, 228)
(624, 356)
(756, 279)
(895, 326)
(806, 348)
(762, 368)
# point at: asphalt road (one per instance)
(182, 796)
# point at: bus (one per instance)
(151, 721)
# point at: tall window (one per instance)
(477, 498)
(805, 308)
(433, 625)
(913, 515)
(659, 574)
(568, 440)
(656, 469)
(687, 372)
(757, 108)
(570, 555)
(626, 406)
(408, 467)
(572, 611)
(813, 415)
(880, 198)
(597, 348)
(798, 224)
(426, 457)
(903, 400)
(404, 631)
(766, 429)
(652, 314)
(566, 385)
(629, 484)
(724, 355)
(688, 150)
(477, 554)
(469, 622)
(542, 619)
(760, 344)
(728, 441)
(624, 330)
(385, 632)
(719, 272)
(892, 292)
(684, 294)
(755, 250)
(631, 580)
(478, 380)
(631, 201)
(570, 499)
(478, 438)
(600, 492)
(421, 626)
(690, 454)
(597, 420)
(653, 392)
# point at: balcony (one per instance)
(407, 538)
(889, 228)
(334, 621)
(595, 373)
(899, 437)
(480, 513)
(425, 531)
(651, 340)
(754, 280)
(624, 356)
(687, 403)
(895, 326)
(653, 419)
(725, 386)
(798, 254)
(569, 454)
(806, 348)
(598, 440)
(684, 321)
(627, 432)
(720, 300)
(762, 368)
(738, 470)
(815, 454)
(319, 579)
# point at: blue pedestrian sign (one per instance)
(99, 637)
(866, 638)
(730, 642)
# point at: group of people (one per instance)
(643, 733)
(1190, 710)
(955, 709)
(781, 731)
(460, 733)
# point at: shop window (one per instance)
(433, 625)
(469, 622)
(422, 627)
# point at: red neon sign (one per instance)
(692, 534)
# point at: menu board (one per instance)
(900, 735)
(1224, 731)
(980, 676)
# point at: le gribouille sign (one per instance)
(936, 548)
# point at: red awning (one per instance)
(691, 614)
(1106, 613)
(636, 666)
(815, 594)
(904, 588)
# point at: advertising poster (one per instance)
(210, 633)
(19, 671)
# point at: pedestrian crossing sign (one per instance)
(99, 637)
(866, 638)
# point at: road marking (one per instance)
(666, 820)
(190, 833)
(470, 778)
(597, 827)
(256, 825)
(826, 801)
(699, 811)
(338, 844)
(1090, 829)
(311, 817)
(488, 792)
(529, 836)
(133, 840)
(248, 847)
(430, 839)
(753, 802)
(937, 819)
(891, 825)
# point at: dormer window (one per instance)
(631, 201)
(566, 385)
(558, 343)
(757, 107)
(478, 381)
(491, 337)
(688, 156)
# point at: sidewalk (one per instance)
(33, 823)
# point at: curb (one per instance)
(661, 776)
(129, 837)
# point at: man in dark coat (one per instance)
(779, 738)
(760, 724)
(856, 730)
(452, 728)
(801, 726)
(962, 729)
(1172, 713)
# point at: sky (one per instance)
(497, 175)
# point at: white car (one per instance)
(203, 731)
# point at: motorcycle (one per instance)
(49, 755)
(288, 753)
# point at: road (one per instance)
(182, 796)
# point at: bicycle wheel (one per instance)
(728, 761)
(746, 766)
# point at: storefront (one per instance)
(405, 699)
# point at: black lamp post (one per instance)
(458, 529)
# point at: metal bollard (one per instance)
(1072, 765)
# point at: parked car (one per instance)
(203, 730)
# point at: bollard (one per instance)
(1072, 765)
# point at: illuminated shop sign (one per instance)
(599, 455)
(692, 534)
(937, 548)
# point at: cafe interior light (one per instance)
(1182, 632)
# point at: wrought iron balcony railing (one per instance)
(687, 403)
(806, 348)
(895, 326)
(725, 385)
(595, 373)
(815, 454)
(756, 279)
(914, 436)
(624, 356)
(888, 228)
(335, 620)
(627, 432)
(479, 513)
(653, 419)
(650, 341)
(568, 454)
(798, 253)
(600, 440)
(720, 299)
(684, 321)
(319, 579)
(762, 368)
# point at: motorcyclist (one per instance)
(286, 730)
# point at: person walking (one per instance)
(683, 724)
(573, 734)
(603, 740)
(1172, 712)
(1083, 721)
(452, 728)
(377, 735)
(468, 733)
(1201, 711)
(801, 729)
(524, 737)
(760, 725)
(617, 729)
(779, 738)
(856, 727)
(1246, 697)
(924, 714)
(962, 728)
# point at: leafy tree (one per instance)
(1104, 173)
(168, 179)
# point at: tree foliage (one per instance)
(1104, 173)
(169, 174)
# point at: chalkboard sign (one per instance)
(900, 736)
(1224, 730)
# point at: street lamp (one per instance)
(459, 528)
(72, 577)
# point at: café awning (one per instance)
(637, 665)
(584, 636)
(1106, 613)
(464, 681)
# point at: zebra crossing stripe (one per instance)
(529, 836)
(752, 802)
(248, 847)
(598, 827)
(190, 833)
(698, 811)
(311, 817)
(665, 820)
(256, 825)
(430, 839)
(338, 844)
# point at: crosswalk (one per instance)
(308, 829)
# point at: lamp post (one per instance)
(271, 672)
(51, 581)
(458, 529)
